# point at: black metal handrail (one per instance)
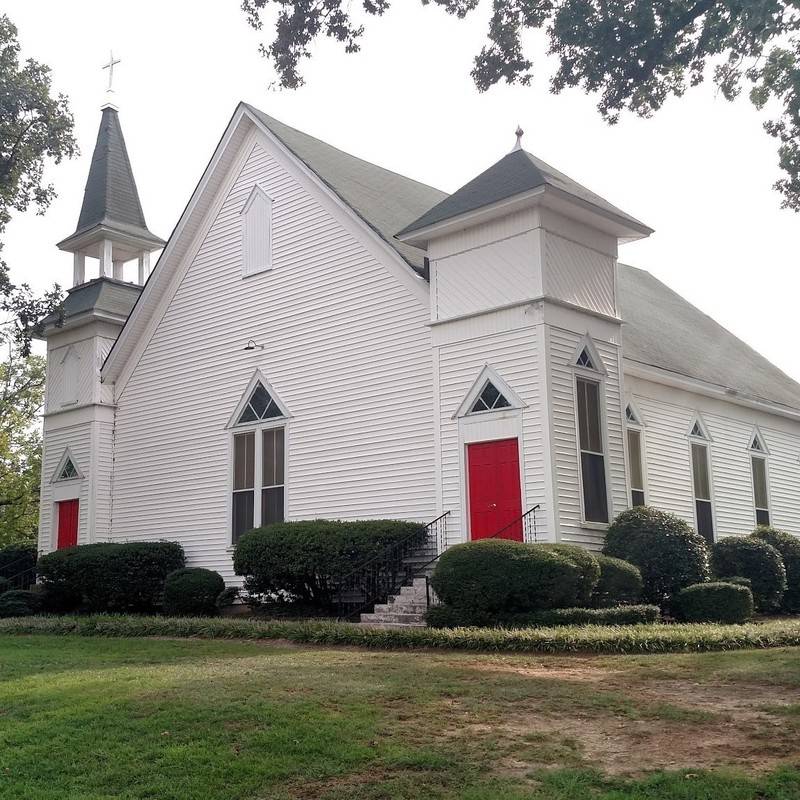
(24, 579)
(385, 572)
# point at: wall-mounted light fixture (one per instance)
(251, 345)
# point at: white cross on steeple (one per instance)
(110, 67)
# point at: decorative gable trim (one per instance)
(488, 375)
(633, 417)
(61, 471)
(258, 378)
(756, 443)
(698, 429)
(586, 357)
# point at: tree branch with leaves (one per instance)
(634, 54)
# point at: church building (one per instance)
(324, 338)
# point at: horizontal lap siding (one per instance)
(346, 350)
(668, 415)
(565, 447)
(514, 355)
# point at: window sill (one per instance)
(595, 526)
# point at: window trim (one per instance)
(258, 190)
(62, 462)
(257, 377)
(591, 376)
(488, 375)
(706, 443)
(755, 455)
(637, 428)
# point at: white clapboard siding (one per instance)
(78, 438)
(514, 355)
(668, 414)
(562, 347)
(346, 349)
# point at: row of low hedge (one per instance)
(586, 639)
(444, 616)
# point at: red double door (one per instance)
(67, 524)
(495, 500)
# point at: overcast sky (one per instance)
(700, 172)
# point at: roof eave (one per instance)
(141, 239)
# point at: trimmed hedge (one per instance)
(19, 603)
(586, 562)
(18, 559)
(620, 583)
(192, 591)
(637, 639)
(5, 585)
(493, 576)
(789, 548)
(756, 560)
(714, 602)
(668, 553)
(443, 616)
(108, 576)
(305, 559)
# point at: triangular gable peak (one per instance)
(757, 444)
(245, 131)
(259, 403)
(488, 393)
(698, 429)
(633, 417)
(67, 469)
(586, 356)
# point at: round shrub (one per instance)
(752, 558)
(498, 575)
(585, 561)
(192, 592)
(668, 553)
(789, 548)
(20, 603)
(720, 601)
(620, 583)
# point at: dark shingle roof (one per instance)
(514, 174)
(104, 295)
(110, 197)
(385, 200)
(663, 330)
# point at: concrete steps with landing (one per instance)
(402, 610)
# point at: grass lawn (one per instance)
(200, 720)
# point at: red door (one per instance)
(494, 494)
(67, 523)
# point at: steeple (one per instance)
(111, 226)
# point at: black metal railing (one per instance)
(523, 527)
(22, 579)
(384, 573)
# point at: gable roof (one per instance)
(385, 200)
(110, 198)
(661, 329)
(514, 174)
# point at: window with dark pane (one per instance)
(260, 406)
(701, 478)
(697, 431)
(630, 416)
(593, 470)
(272, 475)
(760, 490)
(585, 359)
(68, 471)
(490, 399)
(635, 467)
(243, 483)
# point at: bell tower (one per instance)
(77, 458)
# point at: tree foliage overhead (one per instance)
(35, 130)
(633, 53)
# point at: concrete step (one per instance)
(392, 625)
(400, 608)
(393, 618)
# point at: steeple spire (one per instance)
(111, 226)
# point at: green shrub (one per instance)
(638, 639)
(498, 575)
(306, 559)
(192, 592)
(586, 562)
(719, 601)
(752, 558)
(110, 577)
(18, 561)
(443, 616)
(789, 548)
(5, 585)
(620, 583)
(19, 603)
(668, 553)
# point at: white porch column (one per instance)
(78, 269)
(144, 267)
(106, 253)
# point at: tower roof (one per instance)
(514, 174)
(110, 199)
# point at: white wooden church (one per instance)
(321, 337)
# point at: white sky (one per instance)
(700, 172)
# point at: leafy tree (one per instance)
(35, 129)
(21, 396)
(634, 53)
